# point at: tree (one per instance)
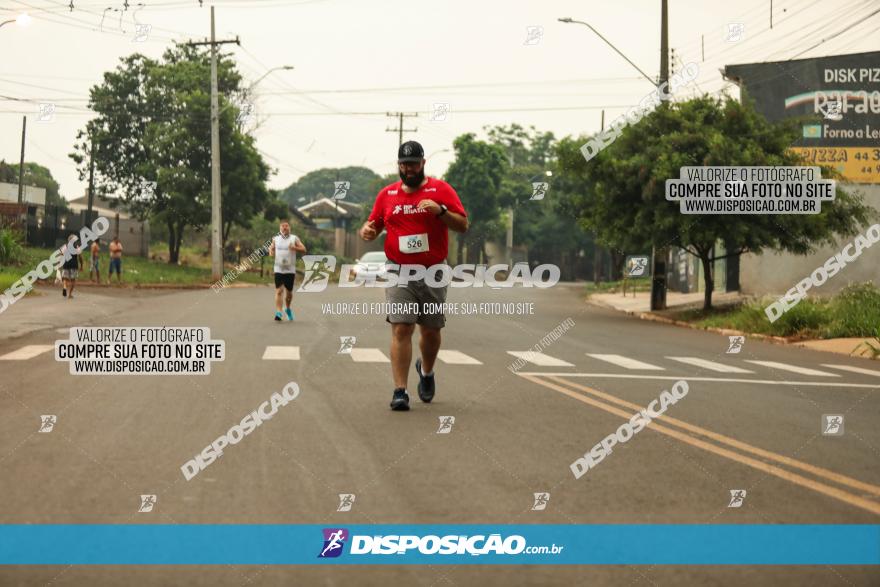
(621, 192)
(547, 226)
(151, 142)
(34, 175)
(319, 183)
(477, 174)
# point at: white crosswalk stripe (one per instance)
(793, 368)
(626, 362)
(540, 359)
(711, 365)
(853, 369)
(281, 353)
(369, 356)
(27, 352)
(457, 358)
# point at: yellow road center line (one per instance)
(839, 494)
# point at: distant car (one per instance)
(371, 264)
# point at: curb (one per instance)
(650, 316)
(51, 283)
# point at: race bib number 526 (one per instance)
(413, 243)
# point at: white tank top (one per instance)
(285, 259)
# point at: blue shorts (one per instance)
(117, 263)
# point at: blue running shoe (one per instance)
(289, 313)
(277, 316)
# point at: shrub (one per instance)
(11, 251)
(855, 311)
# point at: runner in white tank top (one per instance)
(284, 247)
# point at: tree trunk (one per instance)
(172, 242)
(224, 234)
(707, 277)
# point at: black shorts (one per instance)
(285, 279)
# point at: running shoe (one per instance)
(426, 383)
(277, 316)
(400, 401)
(289, 313)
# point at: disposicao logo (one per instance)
(334, 541)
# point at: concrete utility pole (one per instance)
(216, 211)
(21, 161)
(658, 255)
(400, 130)
(91, 181)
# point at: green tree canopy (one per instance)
(477, 174)
(319, 183)
(621, 192)
(153, 126)
(34, 175)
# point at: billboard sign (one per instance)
(839, 98)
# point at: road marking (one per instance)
(456, 358)
(792, 368)
(852, 499)
(689, 378)
(27, 352)
(369, 356)
(711, 365)
(281, 353)
(854, 369)
(540, 359)
(626, 362)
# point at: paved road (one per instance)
(750, 421)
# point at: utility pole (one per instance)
(91, 181)
(21, 161)
(216, 211)
(400, 130)
(658, 255)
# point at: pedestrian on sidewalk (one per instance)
(95, 269)
(417, 213)
(115, 260)
(73, 264)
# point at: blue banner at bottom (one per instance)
(484, 544)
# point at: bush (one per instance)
(855, 311)
(11, 251)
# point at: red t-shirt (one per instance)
(411, 229)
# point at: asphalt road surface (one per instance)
(751, 421)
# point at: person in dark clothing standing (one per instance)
(73, 264)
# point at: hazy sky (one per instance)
(355, 58)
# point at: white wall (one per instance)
(776, 273)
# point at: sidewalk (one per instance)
(640, 306)
(49, 309)
(641, 301)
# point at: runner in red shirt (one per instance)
(417, 213)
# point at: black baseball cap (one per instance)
(410, 151)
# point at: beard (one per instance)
(413, 181)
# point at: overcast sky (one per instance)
(353, 58)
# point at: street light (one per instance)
(435, 152)
(251, 87)
(216, 200)
(23, 20)
(568, 20)
(259, 79)
(658, 284)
